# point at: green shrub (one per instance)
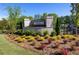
(35, 33)
(45, 32)
(38, 33)
(19, 32)
(28, 32)
(52, 33)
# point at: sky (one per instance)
(31, 9)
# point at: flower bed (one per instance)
(56, 45)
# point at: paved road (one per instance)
(8, 48)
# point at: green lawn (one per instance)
(8, 48)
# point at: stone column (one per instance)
(49, 24)
(49, 21)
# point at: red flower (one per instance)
(65, 51)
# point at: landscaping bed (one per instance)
(48, 45)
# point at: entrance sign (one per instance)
(38, 23)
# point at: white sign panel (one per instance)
(27, 22)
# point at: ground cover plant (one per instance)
(50, 45)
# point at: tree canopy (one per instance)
(75, 13)
(13, 15)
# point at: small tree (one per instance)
(57, 26)
(14, 13)
(75, 14)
